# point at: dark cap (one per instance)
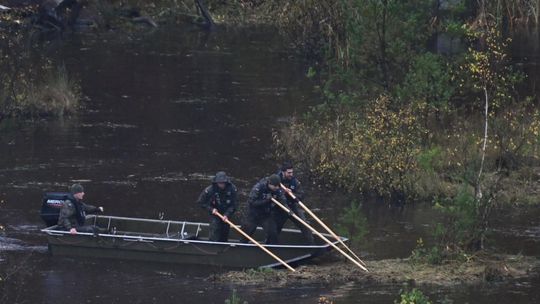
(221, 177)
(274, 180)
(76, 188)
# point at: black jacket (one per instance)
(73, 213)
(223, 200)
(259, 200)
(294, 185)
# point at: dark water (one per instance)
(165, 110)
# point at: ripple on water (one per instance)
(108, 125)
(533, 232)
(167, 178)
(190, 101)
(199, 176)
(121, 183)
(199, 101)
(27, 168)
(181, 131)
(179, 176)
(527, 232)
(34, 185)
(28, 228)
(272, 91)
(81, 180)
(11, 244)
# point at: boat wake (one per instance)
(11, 244)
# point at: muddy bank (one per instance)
(493, 268)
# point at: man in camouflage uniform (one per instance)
(73, 213)
(221, 197)
(287, 178)
(261, 208)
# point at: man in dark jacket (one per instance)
(221, 197)
(287, 178)
(73, 213)
(261, 208)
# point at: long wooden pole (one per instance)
(291, 194)
(318, 234)
(216, 213)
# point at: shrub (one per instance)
(353, 223)
(371, 150)
(235, 299)
(414, 296)
(57, 95)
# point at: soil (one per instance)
(487, 268)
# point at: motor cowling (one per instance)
(51, 205)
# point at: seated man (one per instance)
(221, 197)
(288, 179)
(73, 213)
(261, 208)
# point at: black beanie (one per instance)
(76, 188)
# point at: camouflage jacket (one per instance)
(222, 200)
(73, 213)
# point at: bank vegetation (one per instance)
(423, 103)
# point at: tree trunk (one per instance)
(478, 188)
(382, 41)
(209, 24)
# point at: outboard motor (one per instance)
(51, 206)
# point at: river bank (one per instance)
(479, 269)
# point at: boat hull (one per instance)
(177, 242)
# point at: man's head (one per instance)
(273, 182)
(77, 190)
(287, 170)
(221, 179)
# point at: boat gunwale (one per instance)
(52, 232)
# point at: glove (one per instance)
(100, 209)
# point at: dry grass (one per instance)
(56, 95)
(476, 270)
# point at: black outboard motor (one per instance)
(51, 206)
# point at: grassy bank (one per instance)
(54, 95)
(477, 270)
